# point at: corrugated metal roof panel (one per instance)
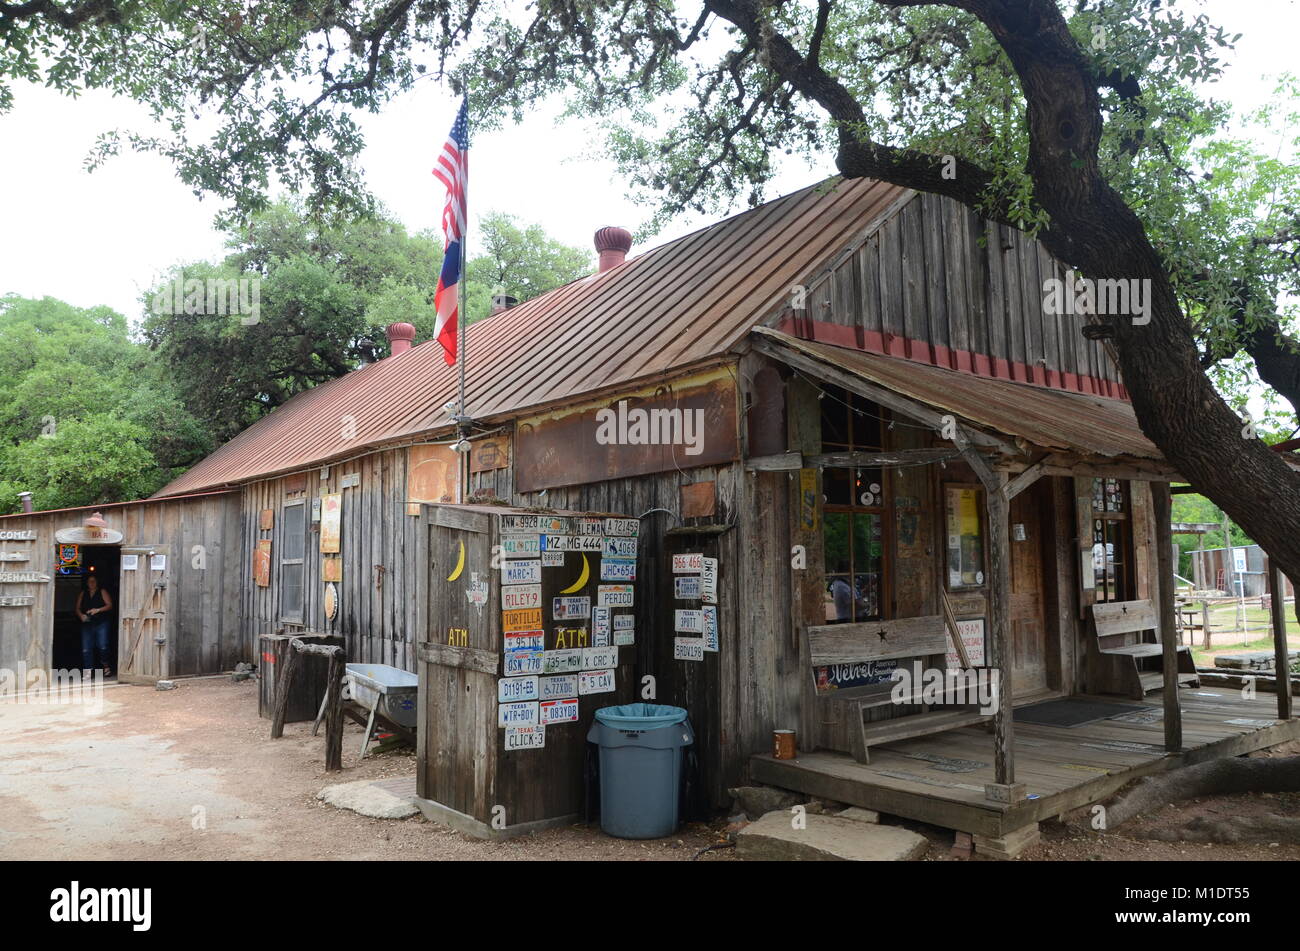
(1049, 418)
(677, 305)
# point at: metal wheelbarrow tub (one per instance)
(389, 692)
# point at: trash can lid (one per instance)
(640, 716)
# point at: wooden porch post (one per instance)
(1004, 788)
(1161, 513)
(1281, 661)
(999, 512)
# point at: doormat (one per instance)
(1073, 712)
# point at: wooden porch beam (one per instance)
(1023, 481)
(920, 412)
(780, 462)
(867, 460)
(1160, 513)
(1067, 464)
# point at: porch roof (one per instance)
(1051, 419)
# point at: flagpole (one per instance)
(463, 303)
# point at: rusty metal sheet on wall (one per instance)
(698, 500)
(431, 474)
(492, 452)
(677, 425)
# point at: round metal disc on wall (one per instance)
(331, 601)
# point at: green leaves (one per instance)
(85, 417)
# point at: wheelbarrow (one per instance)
(388, 693)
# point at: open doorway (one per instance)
(75, 564)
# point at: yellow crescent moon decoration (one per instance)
(460, 564)
(582, 578)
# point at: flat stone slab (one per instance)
(368, 799)
(826, 839)
(1250, 659)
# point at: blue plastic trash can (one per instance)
(640, 768)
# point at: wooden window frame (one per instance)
(1125, 580)
(885, 600)
(300, 563)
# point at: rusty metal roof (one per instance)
(681, 304)
(1048, 418)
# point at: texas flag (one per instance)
(452, 170)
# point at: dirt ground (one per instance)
(192, 773)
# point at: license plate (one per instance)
(515, 597)
(560, 711)
(517, 714)
(558, 688)
(614, 595)
(618, 569)
(566, 609)
(521, 572)
(595, 681)
(525, 737)
(690, 621)
(599, 658)
(514, 689)
(688, 648)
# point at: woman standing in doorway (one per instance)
(94, 605)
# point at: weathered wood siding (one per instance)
(938, 284)
(202, 538)
(379, 549)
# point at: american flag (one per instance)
(452, 169)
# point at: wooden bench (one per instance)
(1125, 660)
(844, 713)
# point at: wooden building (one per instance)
(172, 568)
(854, 401)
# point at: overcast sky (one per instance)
(103, 237)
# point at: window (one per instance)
(853, 521)
(962, 505)
(293, 547)
(1112, 541)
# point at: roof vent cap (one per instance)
(613, 244)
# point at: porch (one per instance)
(940, 779)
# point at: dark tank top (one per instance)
(95, 600)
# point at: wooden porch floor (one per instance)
(940, 779)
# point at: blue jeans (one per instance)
(94, 640)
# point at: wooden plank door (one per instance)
(1028, 627)
(142, 647)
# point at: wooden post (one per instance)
(284, 677)
(334, 712)
(1004, 787)
(999, 513)
(1161, 513)
(1281, 660)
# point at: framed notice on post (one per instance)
(963, 529)
(972, 638)
(331, 512)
